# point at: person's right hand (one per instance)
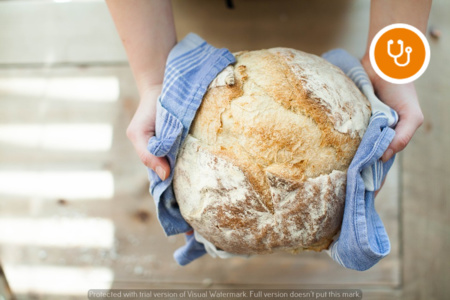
(142, 128)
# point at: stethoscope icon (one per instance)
(408, 52)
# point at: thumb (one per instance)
(158, 164)
(404, 131)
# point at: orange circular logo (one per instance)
(399, 53)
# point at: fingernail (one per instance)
(387, 155)
(161, 173)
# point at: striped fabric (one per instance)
(363, 240)
(372, 175)
(191, 66)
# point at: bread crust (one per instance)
(264, 166)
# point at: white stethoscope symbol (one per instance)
(408, 52)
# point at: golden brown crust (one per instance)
(219, 194)
(288, 144)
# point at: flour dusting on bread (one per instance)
(341, 98)
(264, 165)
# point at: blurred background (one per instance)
(75, 212)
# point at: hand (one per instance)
(142, 128)
(403, 99)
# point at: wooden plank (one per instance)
(5, 289)
(141, 252)
(141, 255)
(75, 38)
(426, 167)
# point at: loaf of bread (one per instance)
(264, 165)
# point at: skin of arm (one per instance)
(147, 31)
(148, 34)
(401, 97)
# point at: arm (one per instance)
(147, 32)
(401, 97)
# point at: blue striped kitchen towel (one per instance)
(191, 66)
(363, 240)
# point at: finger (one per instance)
(404, 131)
(158, 164)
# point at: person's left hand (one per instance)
(403, 99)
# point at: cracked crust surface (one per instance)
(264, 166)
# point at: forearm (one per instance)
(147, 31)
(401, 97)
(387, 12)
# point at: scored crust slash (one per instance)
(264, 165)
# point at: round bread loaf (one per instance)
(264, 165)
